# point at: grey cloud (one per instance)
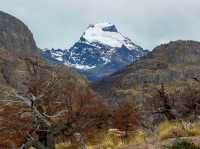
(59, 23)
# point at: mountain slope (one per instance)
(100, 51)
(17, 70)
(168, 63)
(15, 35)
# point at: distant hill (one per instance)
(174, 62)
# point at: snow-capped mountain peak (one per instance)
(101, 51)
(107, 34)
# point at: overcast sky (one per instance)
(60, 23)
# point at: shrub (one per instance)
(183, 144)
(126, 116)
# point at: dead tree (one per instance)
(166, 107)
(59, 108)
(161, 104)
(188, 102)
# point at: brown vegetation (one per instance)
(126, 117)
(60, 111)
(180, 104)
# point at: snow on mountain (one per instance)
(79, 66)
(101, 51)
(107, 34)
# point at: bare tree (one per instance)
(183, 103)
(160, 105)
(187, 102)
(59, 108)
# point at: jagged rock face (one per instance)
(101, 51)
(15, 35)
(168, 63)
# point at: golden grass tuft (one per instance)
(112, 140)
(66, 146)
(194, 130)
(177, 129)
(138, 137)
(169, 129)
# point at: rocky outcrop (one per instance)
(15, 35)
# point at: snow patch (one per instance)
(79, 66)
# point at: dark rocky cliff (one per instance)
(18, 51)
(15, 35)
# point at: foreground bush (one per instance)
(183, 144)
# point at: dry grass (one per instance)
(138, 137)
(194, 130)
(66, 146)
(166, 130)
(178, 129)
(171, 130)
(110, 140)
